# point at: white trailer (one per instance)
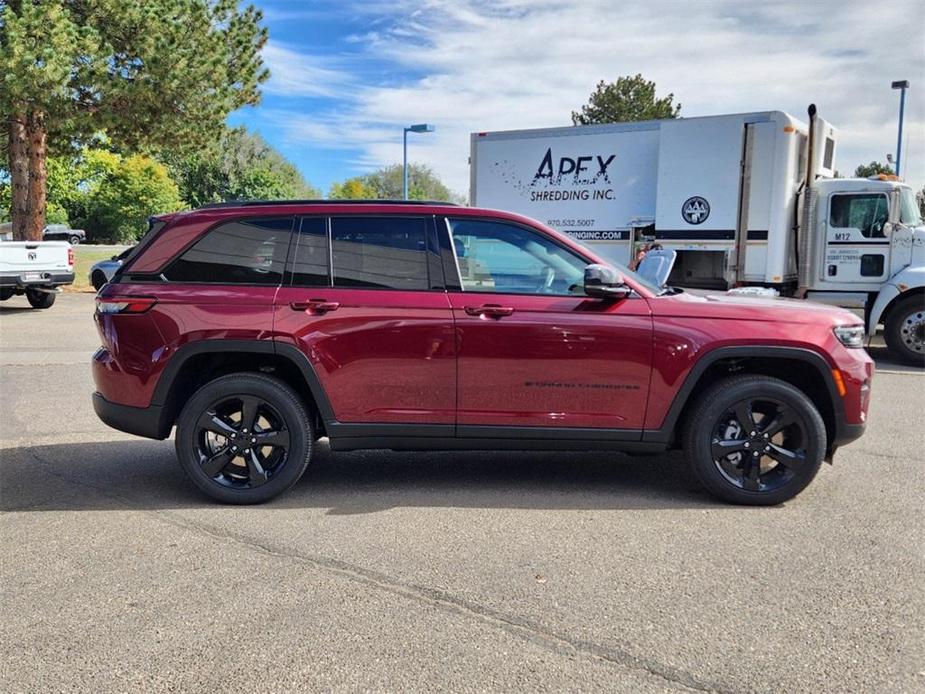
(745, 199)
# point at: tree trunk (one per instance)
(19, 175)
(37, 137)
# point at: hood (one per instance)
(743, 307)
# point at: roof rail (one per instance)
(249, 203)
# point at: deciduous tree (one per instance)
(386, 184)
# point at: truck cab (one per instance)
(868, 255)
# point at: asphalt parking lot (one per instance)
(459, 571)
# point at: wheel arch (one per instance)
(197, 363)
(803, 368)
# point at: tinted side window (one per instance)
(310, 267)
(245, 251)
(379, 252)
(505, 258)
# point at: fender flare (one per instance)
(666, 431)
(289, 352)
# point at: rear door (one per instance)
(366, 303)
(533, 350)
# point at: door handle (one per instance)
(489, 310)
(314, 306)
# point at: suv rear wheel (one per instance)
(754, 440)
(244, 438)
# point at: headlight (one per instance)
(851, 335)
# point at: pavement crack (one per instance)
(525, 629)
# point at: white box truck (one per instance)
(746, 199)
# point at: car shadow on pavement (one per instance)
(144, 474)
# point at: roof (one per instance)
(251, 203)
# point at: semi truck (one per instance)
(744, 200)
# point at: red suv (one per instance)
(258, 328)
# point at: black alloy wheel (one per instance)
(244, 438)
(754, 440)
(758, 444)
(242, 441)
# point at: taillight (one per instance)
(124, 304)
(70, 256)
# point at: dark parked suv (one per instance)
(258, 328)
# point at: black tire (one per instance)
(6, 294)
(235, 476)
(905, 331)
(788, 458)
(40, 299)
(98, 279)
(75, 240)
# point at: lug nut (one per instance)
(249, 450)
(747, 444)
(234, 448)
(755, 454)
(253, 440)
(752, 434)
(766, 436)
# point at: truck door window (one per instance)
(867, 212)
(505, 258)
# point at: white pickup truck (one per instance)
(36, 269)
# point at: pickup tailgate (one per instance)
(35, 260)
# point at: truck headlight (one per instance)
(850, 335)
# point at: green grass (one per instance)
(84, 259)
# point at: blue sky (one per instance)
(347, 76)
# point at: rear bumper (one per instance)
(18, 279)
(149, 422)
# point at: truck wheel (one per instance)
(75, 240)
(40, 299)
(98, 279)
(754, 440)
(905, 331)
(244, 438)
(5, 294)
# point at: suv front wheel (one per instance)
(244, 438)
(754, 440)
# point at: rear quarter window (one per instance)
(245, 251)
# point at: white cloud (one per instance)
(298, 74)
(529, 63)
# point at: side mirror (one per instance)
(603, 282)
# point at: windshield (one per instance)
(636, 277)
(908, 208)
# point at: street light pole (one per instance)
(419, 128)
(902, 86)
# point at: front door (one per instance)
(857, 249)
(533, 351)
(365, 303)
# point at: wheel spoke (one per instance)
(725, 447)
(786, 457)
(750, 480)
(210, 421)
(783, 419)
(249, 406)
(255, 470)
(744, 416)
(272, 438)
(216, 463)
